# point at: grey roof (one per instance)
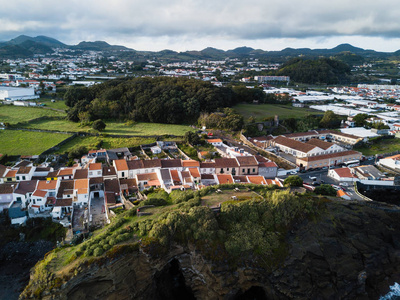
(165, 175)
(25, 187)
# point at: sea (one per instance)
(394, 293)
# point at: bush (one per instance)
(325, 189)
(293, 180)
(99, 125)
(98, 251)
(179, 196)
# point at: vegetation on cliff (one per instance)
(252, 228)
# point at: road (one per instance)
(323, 175)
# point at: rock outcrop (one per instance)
(351, 252)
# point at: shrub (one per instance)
(99, 125)
(98, 251)
(293, 180)
(325, 189)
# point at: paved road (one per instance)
(323, 175)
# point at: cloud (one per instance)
(193, 20)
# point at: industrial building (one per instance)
(13, 93)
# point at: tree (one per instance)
(325, 189)
(293, 180)
(77, 152)
(359, 119)
(192, 138)
(99, 125)
(330, 120)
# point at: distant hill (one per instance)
(41, 39)
(26, 46)
(14, 51)
(98, 46)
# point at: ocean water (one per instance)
(394, 293)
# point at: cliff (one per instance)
(350, 251)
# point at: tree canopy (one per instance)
(313, 71)
(157, 100)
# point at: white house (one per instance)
(392, 162)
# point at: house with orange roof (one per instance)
(342, 174)
(257, 179)
(176, 179)
(65, 174)
(81, 192)
(342, 194)
(274, 182)
(9, 175)
(148, 180)
(225, 178)
(190, 164)
(121, 167)
(95, 170)
(215, 142)
(38, 201)
(195, 174)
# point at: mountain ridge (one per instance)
(28, 46)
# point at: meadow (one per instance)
(15, 114)
(17, 142)
(262, 111)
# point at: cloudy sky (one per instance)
(195, 24)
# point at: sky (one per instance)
(183, 25)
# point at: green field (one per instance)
(16, 142)
(381, 147)
(14, 114)
(114, 128)
(58, 104)
(146, 129)
(91, 142)
(262, 111)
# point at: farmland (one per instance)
(17, 142)
(262, 111)
(14, 114)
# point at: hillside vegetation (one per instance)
(316, 71)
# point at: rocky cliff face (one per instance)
(352, 252)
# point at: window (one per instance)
(91, 173)
(98, 172)
(23, 177)
(227, 169)
(243, 170)
(17, 177)
(254, 170)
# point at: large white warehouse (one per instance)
(13, 93)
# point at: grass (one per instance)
(214, 198)
(56, 124)
(112, 128)
(14, 114)
(91, 142)
(58, 104)
(381, 147)
(147, 129)
(261, 111)
(28, 143)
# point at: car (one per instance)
(293, 172)
(336, 187)
(343, 184)
(313, 178)
(324, 168)
(322, 181)
(314, 183)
